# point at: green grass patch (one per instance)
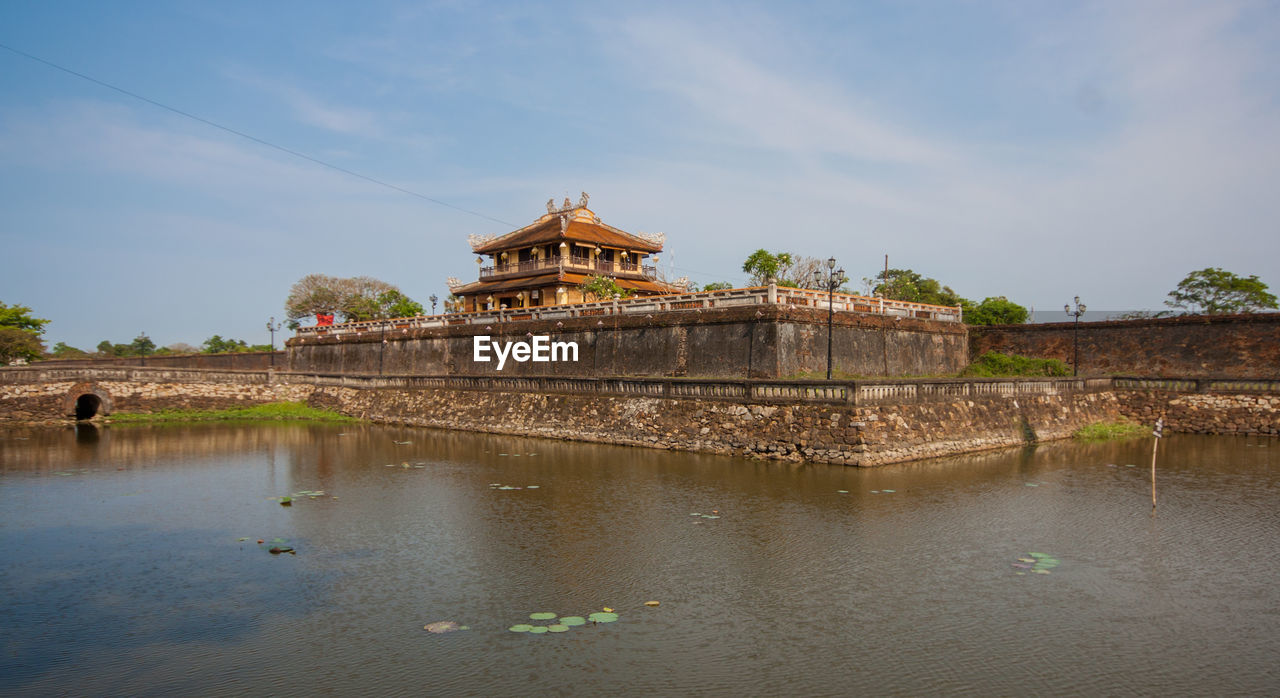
(277, 411)
(996, 365)
(1109, 431)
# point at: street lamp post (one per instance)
(272, 326)
(1075, 334)
(433, 300)
(831, 279)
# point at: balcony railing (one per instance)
(575, 263)
(759, 295)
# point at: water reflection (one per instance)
(124, 572)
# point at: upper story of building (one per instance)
(548, 261)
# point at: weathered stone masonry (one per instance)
(869, 423)
(827, 433)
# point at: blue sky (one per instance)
(1037, 150)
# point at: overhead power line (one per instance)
(255, 139)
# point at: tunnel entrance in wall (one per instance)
(87, 406)
(86, 401)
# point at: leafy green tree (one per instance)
(395, 304)
(994, 311)
(16, 344)
(62, 350)
(142, 345)
(217, 345)
(20, 333)
(717, 286)
(20, 317)
(764, 265)
(907, 285)
(1213, 291)
(603, 288)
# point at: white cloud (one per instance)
(1177, 177)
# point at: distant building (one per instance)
(546, 262)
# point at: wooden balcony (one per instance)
(582, 265)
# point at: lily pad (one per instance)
(842, 491)
(531, 487)
(521, 628)
(888, 490)
(543, 615)
(573, 620)
(538, 629)
(557, 628)
(602, 617)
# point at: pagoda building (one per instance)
(548, 261)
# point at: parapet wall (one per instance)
(854, 422)
(239, 361)
(1200, 346)
(764, 341)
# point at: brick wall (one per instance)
(1227, 346)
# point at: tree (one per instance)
(396, 304)
(718, 286)
(217, 345)
(1212, 291)
(785, 268)
(358, 298)
(62, 350)
(994, 311)
(603, 288)
(16, 344)
(20, 333)
(142, 345)
(312, 294)
(764, 265)
(907, 285)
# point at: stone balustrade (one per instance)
(705, 300)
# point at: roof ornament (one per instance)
(564, 223)
(478, 241)
(658, 239)
(567, 204)
(453, 282)
(582, 201)
(551, 205)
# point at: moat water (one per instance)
(129, 565)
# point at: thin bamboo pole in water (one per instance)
(1154, 445)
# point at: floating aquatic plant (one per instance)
(602, 617)
(542, 616)
(558, 628)
(571, 621)
(520, 628)
(538, 629)
(1038, 563)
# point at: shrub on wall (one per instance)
(993, 364)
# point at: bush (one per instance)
(994, 364)
(1108, 431)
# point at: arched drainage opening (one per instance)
(87, 406)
